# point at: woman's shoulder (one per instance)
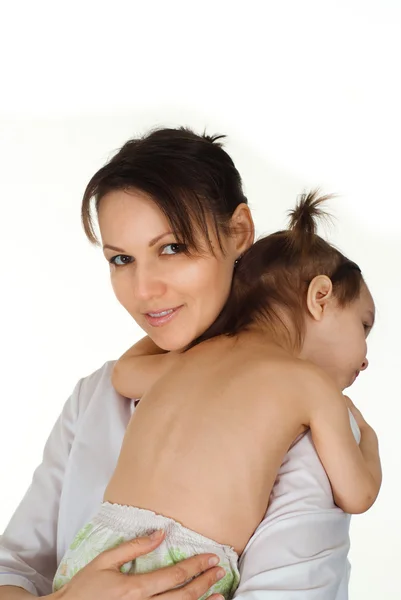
(100, 376)
(96, 387)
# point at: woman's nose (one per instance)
(365, 364)
(148, 284)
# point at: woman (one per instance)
(175, 200)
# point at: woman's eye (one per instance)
(173, 248)
(121, 259)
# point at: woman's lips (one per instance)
(161, 317)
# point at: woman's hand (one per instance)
(102, 579)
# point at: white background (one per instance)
(308, 93)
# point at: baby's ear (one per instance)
(320, 292)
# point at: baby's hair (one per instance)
(274, 274)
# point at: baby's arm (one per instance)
(140, 367)
(354, 471)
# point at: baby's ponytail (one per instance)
(302, 227)
(274, 274)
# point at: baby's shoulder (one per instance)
(283, 377)
(274, 368)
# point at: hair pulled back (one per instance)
(190, 177)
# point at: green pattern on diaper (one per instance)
(81, 536)
(229, 582)
(92, 539)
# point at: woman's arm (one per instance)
(354, 471)
(8, 592)
(28, 555)
(28, 548)
(140, 367)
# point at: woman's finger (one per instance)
(127, 551)
(196, 588)
(170, 577)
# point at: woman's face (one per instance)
(172, 296)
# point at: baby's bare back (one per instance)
(206, 442)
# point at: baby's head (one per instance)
(306, 294)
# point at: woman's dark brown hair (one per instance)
(274, 274)
(190, 177)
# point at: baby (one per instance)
(203, 447)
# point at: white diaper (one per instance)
(114, 524)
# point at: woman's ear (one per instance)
(320, 292)
(242, 229)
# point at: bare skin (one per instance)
(222, 419)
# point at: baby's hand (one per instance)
(356, 413)
(141, 367)
(119, 376)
